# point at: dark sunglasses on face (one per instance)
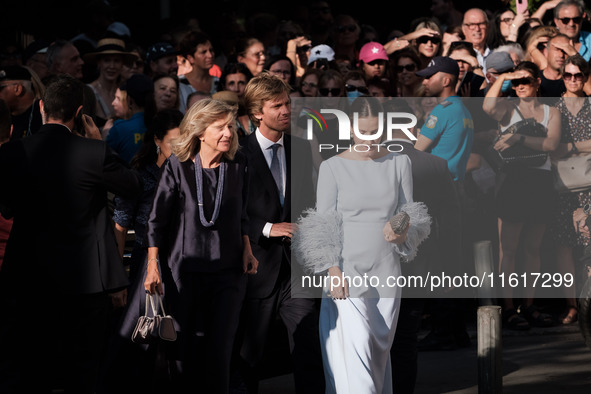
(333, 91)
(378, 62)
(407, 67)
(576, 19)
(522, 81)
(426, 39)
(570, 76)
(349, 28)
(360, 89)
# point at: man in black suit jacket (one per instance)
(433, 185)
(273, 206)
(61, 263)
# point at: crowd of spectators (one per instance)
(136, 90)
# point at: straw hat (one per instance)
(227, 96)
(110, 46)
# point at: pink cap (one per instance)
(372, 51)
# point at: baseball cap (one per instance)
(120, 29)
(37, 46)
(443, 64)
(158, 50)
(321, 51)
(14, 73)
(138, 86)
(372, 51)
(499, 61)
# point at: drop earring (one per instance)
(157, 149)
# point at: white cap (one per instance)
(321, 52)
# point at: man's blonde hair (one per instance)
(260, 89)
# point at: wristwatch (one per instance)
(587, 208)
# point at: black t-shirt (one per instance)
(26, 123)
(553, 88)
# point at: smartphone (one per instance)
(78, 125)
(521, 5)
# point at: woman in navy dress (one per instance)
(198, 245)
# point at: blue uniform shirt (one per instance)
(126, 136)
(451, 129)
(585, 49)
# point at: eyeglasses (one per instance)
(258, 54)
(408, 67)
(570, 76)
(473, 26)
(310, 85)
(507, 20)
(522, 81)
(426, 39)
(576, 19)
(360, 89)
(333, 91)
(349, 28)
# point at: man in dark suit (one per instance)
(277, 195)
(433, 185)
(61, 270)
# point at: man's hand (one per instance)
(92, 131)
(119, 299)
(283, 229)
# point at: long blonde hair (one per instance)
(202, 114)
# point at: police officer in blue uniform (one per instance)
(448, 133)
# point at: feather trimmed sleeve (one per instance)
(419, 230)
(318, 240)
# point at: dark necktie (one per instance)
(276, 171)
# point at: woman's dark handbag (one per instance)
(158, 326)
(518, 154)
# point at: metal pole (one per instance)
(490, 350)
(483, 265)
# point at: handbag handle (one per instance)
(155, 308)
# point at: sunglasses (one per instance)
(333, 91)
(459, 44)
(407, 67)
(360, 89)
(569, 76)
(576, 19)
(349, 28)
(426, 39)
(522, 81)
(379, 62)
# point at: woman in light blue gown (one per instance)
(362, 189)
